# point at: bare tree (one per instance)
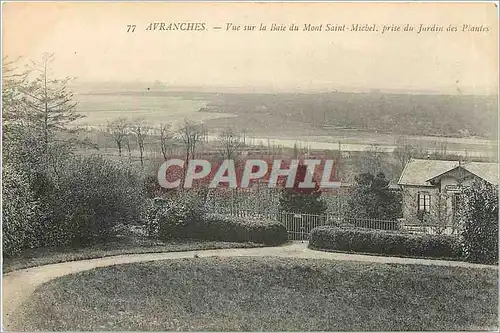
(166, 139)
(118, 130)
(244, 136)
(404, 151)
(13, 81)
(140, 130)
(51, 104)
(129, 147)
(230, 141)
(190, 134)
(14, 114)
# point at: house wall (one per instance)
(451, 180)
(441, 206)
(452, 177)
(410, 203)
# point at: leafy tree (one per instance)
(302, 200)
(372, 198)
(51, 197)
(38, 111)
(371, 160)
(479, 214)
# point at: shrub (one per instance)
(19, 211)
(151, 214)
(302, 200)
(235, 229)
(181, 222)
(372, 198)
(480, 223)
(173, 217)
(183, 215)
(384, 242)
(86, 198)
(177, 221)
(97, 194)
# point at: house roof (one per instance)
(420, 172)
(487, 171)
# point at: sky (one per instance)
(90, 42)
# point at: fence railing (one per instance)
(432, 229)
(372, 223)
(300, 225)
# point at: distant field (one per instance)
(100, 108)
(158, 107)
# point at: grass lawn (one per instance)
(265, 294)
(123, 245)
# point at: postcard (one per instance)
(250, 166)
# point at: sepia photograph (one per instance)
(250, 166)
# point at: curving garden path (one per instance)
(19, 285)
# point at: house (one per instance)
(430, 188)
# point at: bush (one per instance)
(302, 200)
(183, 215)
(151, 216)
(170, 218)
(175, 220)
(93, 195)
(480, 223)
(78, 201)
(19, 211)
(372, 198)
(235, 229)
(384, 242)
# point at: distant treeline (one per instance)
(438, 115)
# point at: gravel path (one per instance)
(18, 285)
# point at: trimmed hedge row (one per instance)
(385, 242)
(224, 228)
(235, 229)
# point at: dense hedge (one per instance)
(480, 219)
(230, 228)
(384, 242)
(174, 221)
(20, 211)
(78, 205)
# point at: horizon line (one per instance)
(153, 85)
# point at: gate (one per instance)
(299, 226)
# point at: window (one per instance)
(424, 204)
(455, 206)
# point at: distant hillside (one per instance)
(438, 115)
(402, 114)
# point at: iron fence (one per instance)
(299, 225)
(392, 225)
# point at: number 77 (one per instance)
(130, 27)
